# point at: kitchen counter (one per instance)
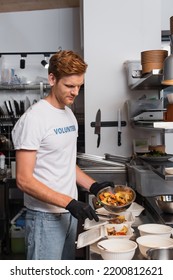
(149, 215)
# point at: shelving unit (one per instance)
(152, 81)
(149, 81)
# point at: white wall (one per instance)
(119, 31)
(38, 31)
(116, 32)
(166, 13)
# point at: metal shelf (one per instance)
(24, 86)
(149, 125)
(150, 81)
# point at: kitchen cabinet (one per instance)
(11, 199)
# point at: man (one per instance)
(45, 140)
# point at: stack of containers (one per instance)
(152, 59)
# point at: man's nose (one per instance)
(75, 91)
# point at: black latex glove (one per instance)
(96, 187)
(81, 210)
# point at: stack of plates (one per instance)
(152, 59)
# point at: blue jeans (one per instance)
(50, 236)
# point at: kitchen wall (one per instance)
(37, 31)
(119, 32)
(166, 13)
(113, 33)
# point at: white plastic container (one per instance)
(117, 249)
(156, 229)
(134, 71)
(95, 234)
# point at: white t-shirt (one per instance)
(53, 134)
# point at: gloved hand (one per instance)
(96, 187)
(81, 210)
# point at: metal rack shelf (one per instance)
(24, 86)
(150, 81)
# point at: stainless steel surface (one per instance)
(160, 254)
(117, 158)
(165, 203)
(137, 107)
(88, 161)
(152, 115)
(149, 81)
(168, 71)
(98, 127)
(147, 182)
(102, 170)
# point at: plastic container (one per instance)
(2, 161)
(117, 249)
(133, 69)
(17, 239)
(95, 234)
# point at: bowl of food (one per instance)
(155, 229)
(165, 203)
(116, 199)
(147, 242)
(118, 231)
(117, 249)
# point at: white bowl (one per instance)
(117, 249)
(156, 229)
(169, 170)
(146, 242)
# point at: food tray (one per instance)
(95, 234)
(117, 228)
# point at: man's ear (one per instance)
(51, 79)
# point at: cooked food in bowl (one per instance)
(116, 199)
(165, 203)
